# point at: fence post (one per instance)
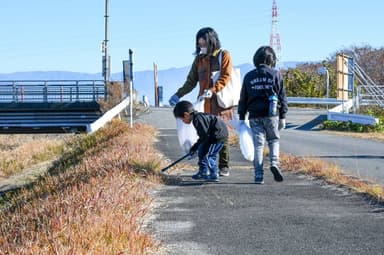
(61, 94)
(45, 93)
(77, 91)
(22, 93)
(94, 91)
(14, 91)
(358, 97)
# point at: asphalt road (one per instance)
(359, 157)
(236, 216)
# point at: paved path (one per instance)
(235, 216)
(356, 156)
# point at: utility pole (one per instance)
(275, 35)
(106, 58)
(155, 79)
(130, 88)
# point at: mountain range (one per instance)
(170, 79)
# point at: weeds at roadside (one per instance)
(92, 202)
(332, 174)
(15, 157)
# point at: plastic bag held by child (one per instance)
(186, 133)
(245, 140)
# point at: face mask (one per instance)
(203, 50)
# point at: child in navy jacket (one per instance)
(263, 97)
(212, 132)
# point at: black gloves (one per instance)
(193, 149)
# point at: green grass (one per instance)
(376, 112)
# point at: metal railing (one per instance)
(368, 88)
(369, 95)
(51, 91)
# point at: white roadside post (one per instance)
(324, 71)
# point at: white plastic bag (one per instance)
(186, 133)
(234, 122)
(245, 140)
(199, 105)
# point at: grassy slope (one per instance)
(93, 200)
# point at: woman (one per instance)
(208, 48)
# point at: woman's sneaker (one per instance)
(276, 174)
(224, 171)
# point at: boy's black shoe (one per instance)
(199, 176)
(224, 171)
(259, 181)
(213, 178)
(276, 174)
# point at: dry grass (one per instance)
(18, 152)
(372, 135)
(92, 202)
(332, 174)
(115, 94)
(233, 137)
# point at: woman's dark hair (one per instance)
(212, 38)
(182, 107)
(264, 55)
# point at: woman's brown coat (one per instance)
(201, 72)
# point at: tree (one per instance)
(304, 81)
(371, 60)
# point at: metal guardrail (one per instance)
(94, 126)
(47, 91)
(314, 100)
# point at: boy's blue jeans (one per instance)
(208, 158)
(265, 129)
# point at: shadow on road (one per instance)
(310, 125)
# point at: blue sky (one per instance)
(66, 35)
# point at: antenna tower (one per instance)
(275, 35)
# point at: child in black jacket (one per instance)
(212, 134)
(263, 97)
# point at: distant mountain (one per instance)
(170, 79)
(291, 64)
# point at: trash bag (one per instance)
(245, 140)
(199, 105)
(234, 122)
(186, 133)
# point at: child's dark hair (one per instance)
(265, 55)
(182, 107)
(212, 38)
